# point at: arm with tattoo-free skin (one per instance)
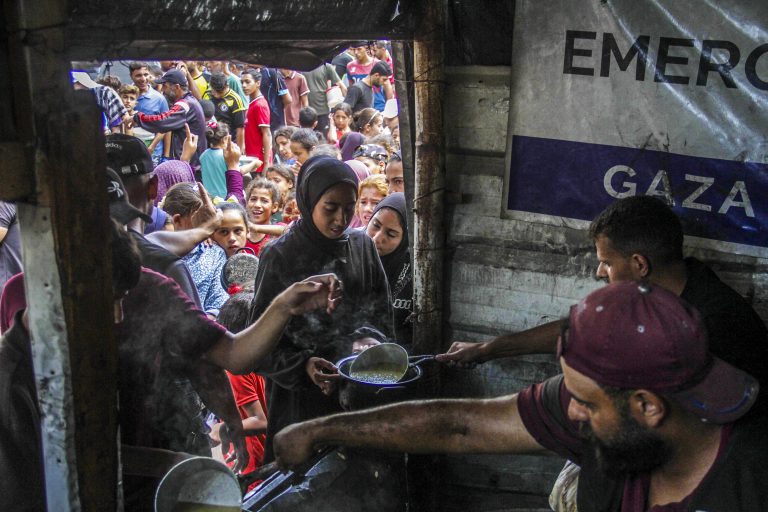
(431, 426)
(538, 340)
(240, 353)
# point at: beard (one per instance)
(632, 449)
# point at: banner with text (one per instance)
(617, 98)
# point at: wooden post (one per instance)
(429, 229)
(68, 277)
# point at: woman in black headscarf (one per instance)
(301, 378)
(388, 228)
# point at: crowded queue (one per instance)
(213, 163)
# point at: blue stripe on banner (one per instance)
(715, 199)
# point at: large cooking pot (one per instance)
(358, 394)
(198, 484)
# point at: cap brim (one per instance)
(724, 396)
(123, 212)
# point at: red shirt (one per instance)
(258, 115)
(248, 389)
(257, 246)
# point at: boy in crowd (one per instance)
(129, 94)
(230, 108)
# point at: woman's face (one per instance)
(374, 127)
(333, 212)
(385, 231)
(283, 148)
(283, 185)
(369, 198)
(231, 233)
(341, 120)
(300, 152)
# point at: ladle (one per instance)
(384, 364)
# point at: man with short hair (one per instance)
(230, 109)
(640, 237)
(394, 173)
(297, 88)
(319, 80)
(150, 102)
(186, 111)
(381, 52)
(655, 420)
(360, 94)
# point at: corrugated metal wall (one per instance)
(505, 276)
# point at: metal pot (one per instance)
(198, 483)
(358, 394)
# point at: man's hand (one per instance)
(207, 216)
(233, 435)
(293, 446)
(323, 374)
(463, 355)
(315, 292)
(190, 145)
(232, 154)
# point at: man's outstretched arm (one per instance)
(432, 426)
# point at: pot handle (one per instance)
(414, 360)
(383, 388)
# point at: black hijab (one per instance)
(317, 175)
(394, 261)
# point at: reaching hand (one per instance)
(323, 374)
(315, 292)
(234, 436)
(463, 355)
(232, 154)
(207, 216)
(189, 148)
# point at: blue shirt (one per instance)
(153, 102)
(214, 170)
(205, 263)
(273, 87)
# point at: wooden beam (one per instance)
(67, 263)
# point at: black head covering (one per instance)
(317, 175)
(394, 261)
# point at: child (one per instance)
(232, 233)
(213, 165)
(262, 201)
(373, 156)
(283, 145)
(342, 116)
(303, 141)
(129, 95)
(291, 209)
(368, 122)
(371, 192)
(249, 390)
(283, 178)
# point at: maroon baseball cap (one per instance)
(635, 335)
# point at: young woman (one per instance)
(342, 117)
(368, 122)
(388, 229)
(231, 235)
(301, 377)
(371, 192)
(303, 141)
(204, 261)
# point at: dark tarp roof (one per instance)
(479, 32)
(293, 33)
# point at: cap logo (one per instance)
(114, 188)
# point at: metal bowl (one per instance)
(412, 374)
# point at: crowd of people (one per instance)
(293, 183)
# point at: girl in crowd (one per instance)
(283, 178)
(263, 201)
(214, 167)
(232, 233)
(283, 145)
(368, 122)
(389, 230)
(372, 191)
(349, 143)
(290, 209)
(342, 117)
(204, 261)
(300, 375)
